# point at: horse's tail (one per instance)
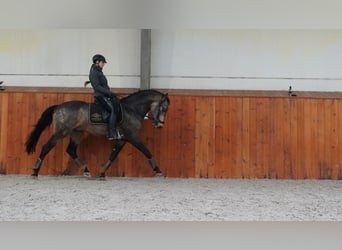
(86, 83)
(44, 121)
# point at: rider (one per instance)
(103, 94)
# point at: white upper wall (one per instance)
(216, 44)
(184, 59)
(62, 57)
(247, 59)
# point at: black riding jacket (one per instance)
(99, 82)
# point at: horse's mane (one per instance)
(135, 94)
(140, 93)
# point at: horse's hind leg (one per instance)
(119, 145)
(45, 150)
(75, 139)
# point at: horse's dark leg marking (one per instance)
(45, 150)
(119, 145)
(139, 145)
(154, 166)
(75, 139)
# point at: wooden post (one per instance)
(145, 59)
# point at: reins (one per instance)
(151, 118)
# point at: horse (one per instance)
(72, 118)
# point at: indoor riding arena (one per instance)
(252, 131)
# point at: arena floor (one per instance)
(167, 199)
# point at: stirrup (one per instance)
(119, 136)
(111, 137)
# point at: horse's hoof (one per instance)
(97, 178)
(87, 174)
(159, 175)
(101, 178)
(34, 176)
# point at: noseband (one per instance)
(155, 120)
(157, 116)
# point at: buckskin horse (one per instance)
(72, 118)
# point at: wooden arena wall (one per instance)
(216, 134)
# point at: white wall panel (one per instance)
(62, 57)
(247, 59)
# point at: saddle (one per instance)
(99, 115)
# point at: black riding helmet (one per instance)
(99, 57)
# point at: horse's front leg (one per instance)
(139, 145)
(119, 145)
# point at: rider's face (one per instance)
(101, 64)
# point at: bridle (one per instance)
(155, 120)
(157, 116)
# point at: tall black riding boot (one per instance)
(112, 126)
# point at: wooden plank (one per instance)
(274, 160)
(179, 124)
(201, 136)
(268, 136)
(188, 142)
(317, 136)
(320, 135)
(175, 134)
(211, 140)
(3, 132)
(285, 137)
(253, 134)
(307, 140)
(338, 171)
(245, 138)
(124, 160)
(228, 155)
(334, 141)
(14, 133)
(293, 138)
(261, 137)
(220, 138)
(26, 112)
(237, 134)
(324, 172)
(231, 125)
(300, 140)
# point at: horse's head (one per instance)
(159, 109)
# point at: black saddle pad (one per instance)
(99, 115)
